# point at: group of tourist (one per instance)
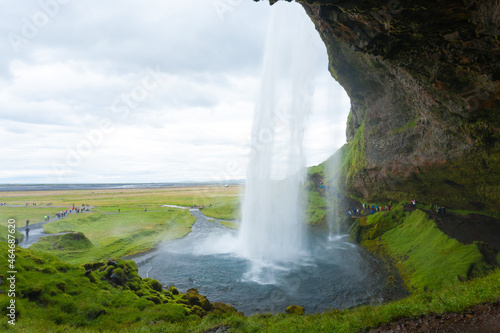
(200, 206)
(59, 215)
(439, 210)
(34, 204)
(375, 209)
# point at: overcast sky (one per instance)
(141, 91)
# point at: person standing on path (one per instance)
(27, 233)
(27, 223)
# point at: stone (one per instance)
(295, 309)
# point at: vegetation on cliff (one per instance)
(107, 295)
(423, 82)
(426, 257)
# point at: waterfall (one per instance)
(331, 170)
(272, 230)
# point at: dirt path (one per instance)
(468, 229)
(36, 230)
(483, 318)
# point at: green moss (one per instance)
(70, 301)
(353, 159)
(411, 124)
(427, 257)
(316, 209)
(67, 243)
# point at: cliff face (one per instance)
(424, 82)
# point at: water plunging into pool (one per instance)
(335, 274)
(272, 230)
(274, 260)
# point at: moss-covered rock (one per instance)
(295, 310)
(423, 83)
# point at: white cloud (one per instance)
(67, 84)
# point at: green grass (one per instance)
(230, 225)
(426, 258)
(57, 296)
(225, 211)
(33, 213)
(4, 232)
(120, 198)
(119, 235)
(53, 296)
(67, 245)
(430, 258)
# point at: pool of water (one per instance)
(333, 274)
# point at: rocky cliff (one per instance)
(424, 82)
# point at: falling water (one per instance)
(272, 228)
(331, 170)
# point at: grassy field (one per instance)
(126, 198)
(117, 235)
(130, 232)
(229, 210)
(225, 201)
(33, 213)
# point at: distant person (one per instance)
(27, 223)
(444, 210)
(118, 210)
(27, 232)
(146, 209)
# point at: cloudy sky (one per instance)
(142, 91)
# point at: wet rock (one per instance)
(113, 263)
